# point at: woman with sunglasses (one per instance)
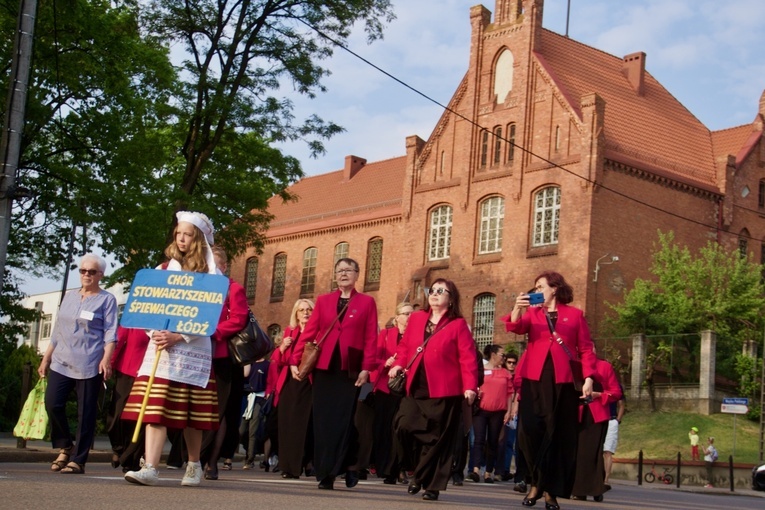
(549, 404)
(79, 358)
(443, 374)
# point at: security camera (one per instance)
(615, 258)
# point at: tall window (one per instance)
(497, 145)
(743, 243)
(440, 233)
(761, 195)
(280, 277)
(503, 76)
(510, 143)
(374, 264)
(341, 252)
(251, 278)
(557, 138)
(546, 216)
(483, 320)
(308, 281)
(490, 231)
(484, 148)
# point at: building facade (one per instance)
(551, 155)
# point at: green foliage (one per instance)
(748, 370)
(715, 289)
(12, 362)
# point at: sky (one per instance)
(707, 53)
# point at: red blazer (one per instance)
(572, 328)
(282, 359)
(271, 378)
(129, 351)
(356, 334)
(600, 408)
(450, 358)
(233, 319)
(387, 344)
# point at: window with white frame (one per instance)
(483, 319)
(546, 217)
(490, 230)
(308, 281)
(46, 326)
(440, 233)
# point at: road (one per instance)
(31, 485)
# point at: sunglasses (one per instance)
(511, 362)
(439, 291)
(91, 272)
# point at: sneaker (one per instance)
(193, 476)
(147, 475)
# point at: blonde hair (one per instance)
(401, 306)
(296, 306)
(194, 259)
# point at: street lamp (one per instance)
(598, 263)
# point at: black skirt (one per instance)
(295, 405)
(589, 457)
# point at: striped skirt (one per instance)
(174, 405)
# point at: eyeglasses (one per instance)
(346, 271)
(91, 272)
(405, 313)
(305, 310)
(438, 291)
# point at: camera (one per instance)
(536, 298)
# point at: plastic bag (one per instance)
(33, 421)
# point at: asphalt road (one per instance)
(31, 485)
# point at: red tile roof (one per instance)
(737, 141)
(655, 127)
(375, 191)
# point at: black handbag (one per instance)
(397, 385)
(250, 344)
(574, 364)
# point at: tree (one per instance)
(716, 289)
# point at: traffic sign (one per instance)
(741, 401)
(734, 409)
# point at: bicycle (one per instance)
(665, 477)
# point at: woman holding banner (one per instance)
(183, 395)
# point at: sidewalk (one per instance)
(42, 451)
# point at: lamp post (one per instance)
(598, 263)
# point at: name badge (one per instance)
(487, 372)
(88, 316)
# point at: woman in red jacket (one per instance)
(346, 320)
(386, 404)
(593, 425)
(549, 404)
(445, 372)
(294, 399)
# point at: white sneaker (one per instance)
(193, 476)
(147, 475)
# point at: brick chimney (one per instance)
(633, 67)
(352, 166)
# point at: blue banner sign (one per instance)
(736, 401)
(178, 301)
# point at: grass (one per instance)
(661, 435)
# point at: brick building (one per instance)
(551, 155)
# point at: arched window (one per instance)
(490, 230)
(374, 264)
(483, 320)
(503, 76)
(510, 143)
(308, 280)
(250, 278)
(743, 243)
(484, 148)
(546, 216)
(279, 277)
(440, 233)
(341, 252)
(497, 146)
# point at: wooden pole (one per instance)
(145, 402)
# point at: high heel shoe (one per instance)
(531, 500)
(551, 502)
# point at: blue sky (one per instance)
(706, 52)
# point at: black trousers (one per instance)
(121, 431)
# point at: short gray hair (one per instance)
(95, 258)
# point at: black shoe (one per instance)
(473, 477)
(598, 499)
(389, 480)
(211, 473)
(457, 480)
(531, 501)
(430, 495)
(507, 477)
(351, 478)
(327, 483)
(414, 488)
(551, 503)
(579, 498)
(488, 479)
(606, 488)
(363, 474)
(289, 476)
(520, 487)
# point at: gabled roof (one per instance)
(654, 128)
(736, 141)
(375, 191)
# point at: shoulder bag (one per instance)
(397, 385)
(250, 344)
(575, 364)
(311, 350)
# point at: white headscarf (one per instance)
(203, 223)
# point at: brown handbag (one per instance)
(311, 351)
